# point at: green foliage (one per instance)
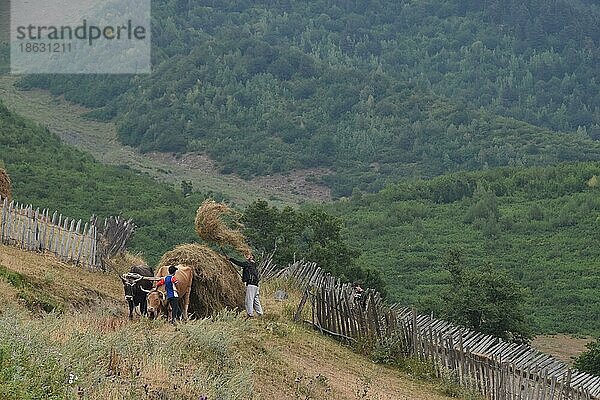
(49, 174)
(186, 188)
(590, 360)
(373, 90)
(406, 230)
(535, 213)
(486, 300)
(485, 207)
(391, 351)
(310, 234)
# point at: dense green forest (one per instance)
(383, 93)
(371, 89)
(539, 225)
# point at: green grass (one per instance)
(30, 292)
(96, 356)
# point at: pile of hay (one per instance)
(211, 226)
(5, 191)
(216, 284)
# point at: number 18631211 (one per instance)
(51, 48)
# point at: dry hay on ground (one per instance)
(211, 227)
(216, 285)
(5, 188)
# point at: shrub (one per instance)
(590, 360)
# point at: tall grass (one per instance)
(104, 357)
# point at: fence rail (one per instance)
(70, 240)
(495, 368)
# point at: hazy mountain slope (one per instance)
(371, 89)
(544, 235)
(99, 139)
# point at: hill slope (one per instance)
(540, 224)
(370, 89)
(543, 235)
(224, 356)
(99, 139)
(49, 174)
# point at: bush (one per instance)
(590, 360)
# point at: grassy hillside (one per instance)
(47, 173)
(540, 224)
(91, 348)
(371, 90)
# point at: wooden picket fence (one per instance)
(487, 364)
(69, 239)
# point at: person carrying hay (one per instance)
(251, 278)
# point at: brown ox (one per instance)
(157, 298)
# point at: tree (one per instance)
(535, 213)
(485, 300)
(313, 235)
(593, 182)
(485, 206)
(589, 361)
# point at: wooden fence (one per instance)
(487, 364)
(69, 239)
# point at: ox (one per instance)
(136, 287)
(157, 298)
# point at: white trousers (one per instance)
(253, 300)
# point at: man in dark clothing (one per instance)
(251, 278)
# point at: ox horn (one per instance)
(151, 278)
(144, 290)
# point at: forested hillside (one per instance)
(370, 89)
(540, 225)
(49, 174)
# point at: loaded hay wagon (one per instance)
(216, 284)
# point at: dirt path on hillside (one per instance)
(100, 140)
(295, 362)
